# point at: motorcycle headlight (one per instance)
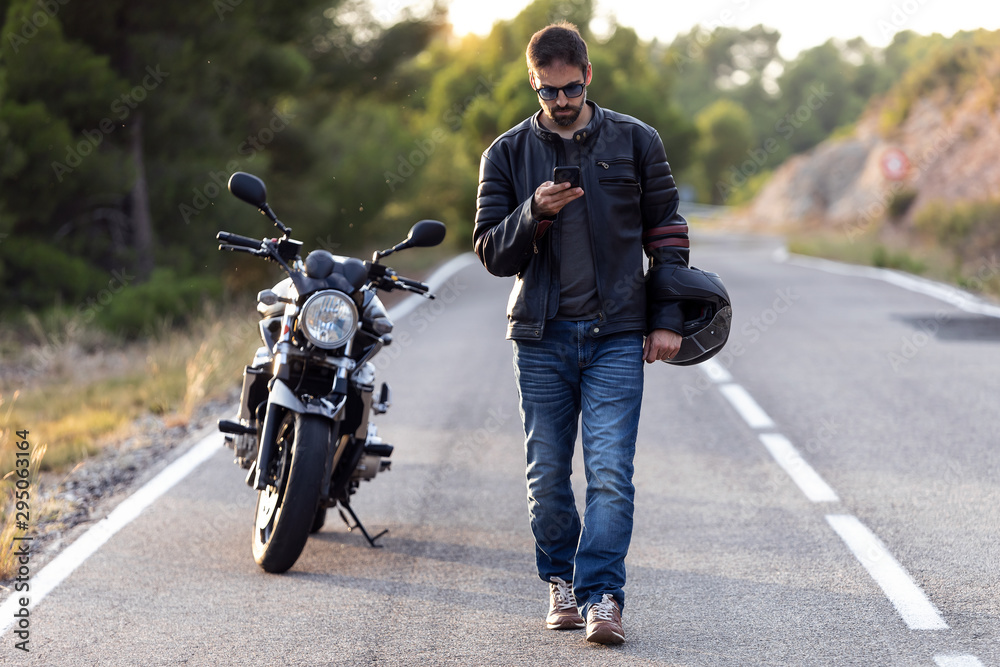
(328, 319)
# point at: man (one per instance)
(578, 315)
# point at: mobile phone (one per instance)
(567, 174)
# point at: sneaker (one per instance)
(604, 622)
(563, 613)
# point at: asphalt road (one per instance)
(888, 397)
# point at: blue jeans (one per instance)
(568, 373)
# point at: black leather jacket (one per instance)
(631, 207)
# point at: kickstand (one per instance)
(357, 524)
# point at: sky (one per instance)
(802, 23)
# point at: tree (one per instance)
(723, 63)
(725, 135)
(122, 115)
(58, 166)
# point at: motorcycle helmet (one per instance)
(705, 303)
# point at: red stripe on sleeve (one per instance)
(666, 229)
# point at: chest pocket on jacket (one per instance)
(618, 173)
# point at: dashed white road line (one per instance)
(716, 372)
(740, 399)
(913, 605)
(909, 600)
(957, 661)
(807, 479)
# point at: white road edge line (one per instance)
(952, 295)
(445, 273)
(70, 558)
(957, 661)
(79, 551)
(906, 596)
(807, 479)
(752, 413)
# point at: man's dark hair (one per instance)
(557, 42)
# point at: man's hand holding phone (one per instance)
(551, 196)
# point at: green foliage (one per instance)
(725, 135)
(359, 127)
(34, 274)
(901, 202)
(739, 65)
(950, 66)
(791, 105)
(74, 82)
(744, 192)
(138, 310)
(970, 230)
(479, 89)
(56, 95)
(896, 259)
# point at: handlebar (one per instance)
(411, 285)
(228, 238)
(381, 277)
(385, 278)
(238, 248)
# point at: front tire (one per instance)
(285, 512)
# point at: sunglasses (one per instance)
(549, 93)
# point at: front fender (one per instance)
(286, 398)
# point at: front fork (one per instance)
(257, 477)
(282, 398)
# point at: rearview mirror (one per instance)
(248, 188)
(425, 234)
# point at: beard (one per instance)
(565, 116)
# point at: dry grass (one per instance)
(201, 371)
(83, 400)
(74, 399)
(19, 493)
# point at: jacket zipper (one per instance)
(606, 164)
(593, 256)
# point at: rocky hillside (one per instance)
(930, 147)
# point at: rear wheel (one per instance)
(285, 512)
(318, 520)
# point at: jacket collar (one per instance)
(581, 136)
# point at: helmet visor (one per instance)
(704, 344)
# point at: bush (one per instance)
(971, 230)
(138, 309)
(901, 203)
(885, 258)
(38, 275)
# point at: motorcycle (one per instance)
(303, 430)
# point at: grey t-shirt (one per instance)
(578, 283)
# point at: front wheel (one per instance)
(285, 512)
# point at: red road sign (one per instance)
(895, 164)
